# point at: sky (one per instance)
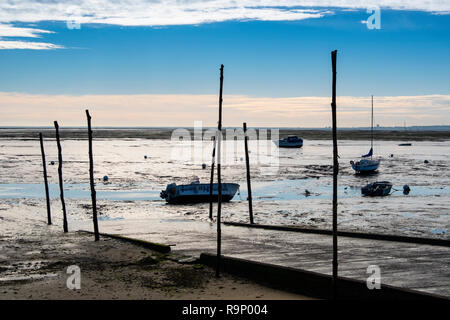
(156, 63)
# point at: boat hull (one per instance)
(287, 145)
(290, 142)
(198, 193)
(377, 189)
(198, 199)
(366, 166)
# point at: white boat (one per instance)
(290, 142)
(197, 192)
(367, 165)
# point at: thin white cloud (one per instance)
(8, 31)
(9, 45)
(158, 110)
(176, 12)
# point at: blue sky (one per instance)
(408, 56)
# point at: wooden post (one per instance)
(249, 186)
(211, 182)
(219, 179)
(371, 131)
(91, 177)
(49, 215)
(61, 187)
(335, 176)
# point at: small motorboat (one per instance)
(290, 142)
(197, 192)
(405, 144)
(377, 189)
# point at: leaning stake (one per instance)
(249, 185)
(49, 215)
(91, 177)
(335, 176)
(61, 187)
(219, 180)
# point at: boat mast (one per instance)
(371, 131)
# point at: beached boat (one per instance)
(367, 165)
(377, 189)
(290, 142)
(197, 192)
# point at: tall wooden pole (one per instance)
(61, 187)
(49, 215)
(249, 185)
(211, 182)
(371, 131)
(335, 176)
(219, 179)
(91, 177)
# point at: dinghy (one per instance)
(290, 142)
(377, 189)
(197, 192)
(367, 165)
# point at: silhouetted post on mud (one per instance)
(61, 187)
(249, 185)
(335, 176)
(219, 180)
(91, 177)
(211, 182)
(49, 215)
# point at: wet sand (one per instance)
(33, 265)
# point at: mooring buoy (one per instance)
(406, 189)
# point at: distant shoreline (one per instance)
(166, 133)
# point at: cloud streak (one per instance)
(21, 109)
(8, 30)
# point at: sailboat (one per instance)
(366, 165)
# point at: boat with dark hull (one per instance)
(197, 192)
(290, 142)
(377, 189)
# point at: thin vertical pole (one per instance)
(91, 177)
(219, 179)
(211, 182)
(371, 131)
(335, 176)
(61, 187)
(249, 185)
(49, 215)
